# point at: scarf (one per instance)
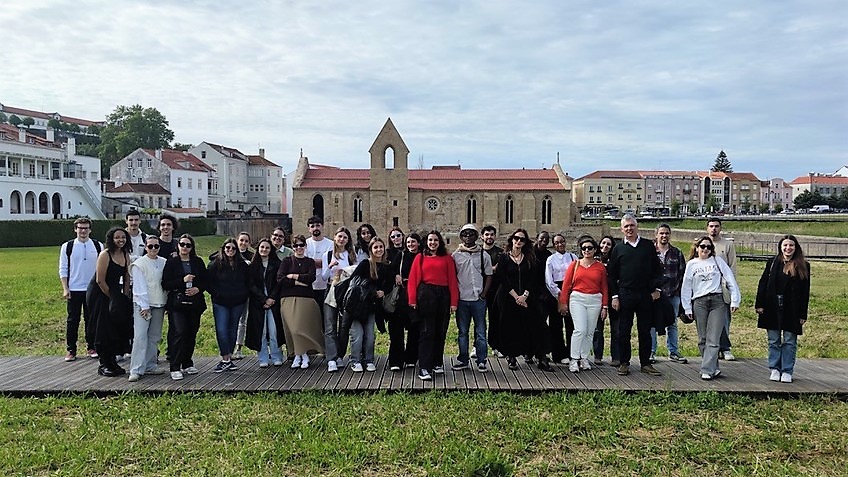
(473, 249)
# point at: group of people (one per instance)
(329, 295)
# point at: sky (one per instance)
(485, 84)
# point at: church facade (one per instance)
(442, 198)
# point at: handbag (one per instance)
(725, 291)
(390, 299)
(683, 317)
(178, 300)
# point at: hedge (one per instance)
(40, 233)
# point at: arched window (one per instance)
(546, 210)
(508, 210)
(318, 206)
(56, 200)
(357, 208)
(15, 202)
(29, 203)
(389, 157)
(471, 210)
(42, 203)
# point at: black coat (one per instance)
(172, 280)
(228, 284)
(796, 298)
(260, 279)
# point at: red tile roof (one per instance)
(612, 175)
(743, 176)
(827, 180)
(147, 188)
(42, 115)
(11, 133)
(181, 160)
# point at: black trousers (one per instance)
(77, 308)
(185, 325)
(403, 337)
(433, 309)
(598, 337)
(494, 319)
(638, 304)
(560, 343)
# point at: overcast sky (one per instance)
(487, 84)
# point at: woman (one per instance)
(149, 311)
(702, 298)
(246, 254)
(341, 256)
(301, 316)
(605, 252)
(585, 296)
(370, 281)
(783, 296)
(434, 294)
(401, 354)
(364, 234)
(108, 297)
(523, 330)
(185, 280)
(264, 323)
(228, 286)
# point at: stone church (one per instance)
(442, 198)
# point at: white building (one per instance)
(40, 179)
(264, 183)
(181, 173)
(40, 118)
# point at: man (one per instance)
(555, 268)
(474, 277)
(278, 239)
(725, 249)
(167, 227)
(635, 273)
(138, 239)
(674, 265)
(540, 249)
(490, 233)
(77, 262)
(317, 247)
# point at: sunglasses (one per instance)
(396, 236)
(587, 248)
(229, 247)
(153, 246)
(520, 239)
(186, 244)
(298, 245)
(705, 246)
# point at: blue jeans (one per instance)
(269, 340)
(465, 312)
(362, 338)
(226, 326)
(781, 353)
(671, 333)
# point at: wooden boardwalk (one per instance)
(23, 376)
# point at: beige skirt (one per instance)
(302, 325)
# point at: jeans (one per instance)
(331, 334)
(362, 338)
(78, 307)
(671, 333)
(226, 326)
(269, 340)
(465, 312)
(585, 310)
(781, 353)
(639, 304)
(709, 312)
(146, 337)
(242, 325)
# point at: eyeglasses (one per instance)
(153, 246)
(312, 226)
(559, 242)
(520, 239)
(587, 248)
(83, 228)
(705, 246)
(396, 236)
(278, 235)
(229, 247)
(186, 244)
(298, 245)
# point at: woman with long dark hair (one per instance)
(108, 300)
(185, 280)
(434, 293)
(228, 287)
(333, 263)
(301, 316)
(364, 234)
(783, 297)
(264, 322)
(604, 253)
(403, 353)
(244, 241)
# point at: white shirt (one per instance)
(703, 277)
(147, 282)
(317, 250)
(555, 267)
(327, 271)
(136, 246)
(83, 264)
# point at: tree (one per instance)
(712, 204)
(53, 123)
(3, 117)
(28, 122)
(14, 120)
(722, 163)
(178, 146)
(675, 207)
(94, 130)
(129, 128)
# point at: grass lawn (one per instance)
(485, 434)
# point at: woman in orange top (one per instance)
(585, 295)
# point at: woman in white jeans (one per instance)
(585, 294)
(148, 310)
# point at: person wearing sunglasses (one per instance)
(558, 319)
(701, 295)
(228, 285)
(185, 280)
(149, 300)
(301, 316)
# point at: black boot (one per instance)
(512, 362)
(545, 365)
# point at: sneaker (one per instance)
(438, 370)
(332, 367)
(512, 363)
(653, 358)
(706, 377)
(220, 367)
(721, 355)
(599, 362)
(499, 354)
(133, 377)
(70, 357)
(190, 370)
(623, 369)
(370, 367)
(728, 356)
(409, 365)
(296, 362)
(394, 368)
(775, 375)
(232, 366)
(92, 354)
(237, 354)
(648, 369)
(263, 364)
(119, 358)
(717, 373)
(584, 364)
(785, 378)
(529, 360)
(473, 352)
(304, 362)
(574, 367)
(483, 367)
(278, 362)
(356, 367)
(424, 375)
(340, 362)
(564, 361)
(615, 363)
(156, 371)
(459, 366)
(677, 358)
(176, 375)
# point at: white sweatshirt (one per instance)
(702, 277)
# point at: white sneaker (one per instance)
(176, 375)
(473, 352)
(332, 367)
(356, 367)
(370, 367)
(584, 364)
(190, 370)
(706, 376)
(564, 361)
(785, 378)
(574, 366)
(296, 361)
(775, 375)
(263, 364)
(134, 377)
(728, 356)
(304, 362)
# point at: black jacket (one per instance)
(228, 284)
(172, 280)
(260, 279)
(796, 298)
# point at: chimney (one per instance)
(159, 154)
(72, 147)
(21, 134)
(262, 152)
(51, 135)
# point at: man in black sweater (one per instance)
(634, 277)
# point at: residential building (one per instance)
(42, 118)
(745, 193)
(264, 183)
(117, 200)
(601, 191)
(776, 192)
(228, 182)
(668, 191)
(825, 184)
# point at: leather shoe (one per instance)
(545, 365)
(108, 372)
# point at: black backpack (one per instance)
(70, 248)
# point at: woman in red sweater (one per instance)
(585, 295)
(434, 294)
